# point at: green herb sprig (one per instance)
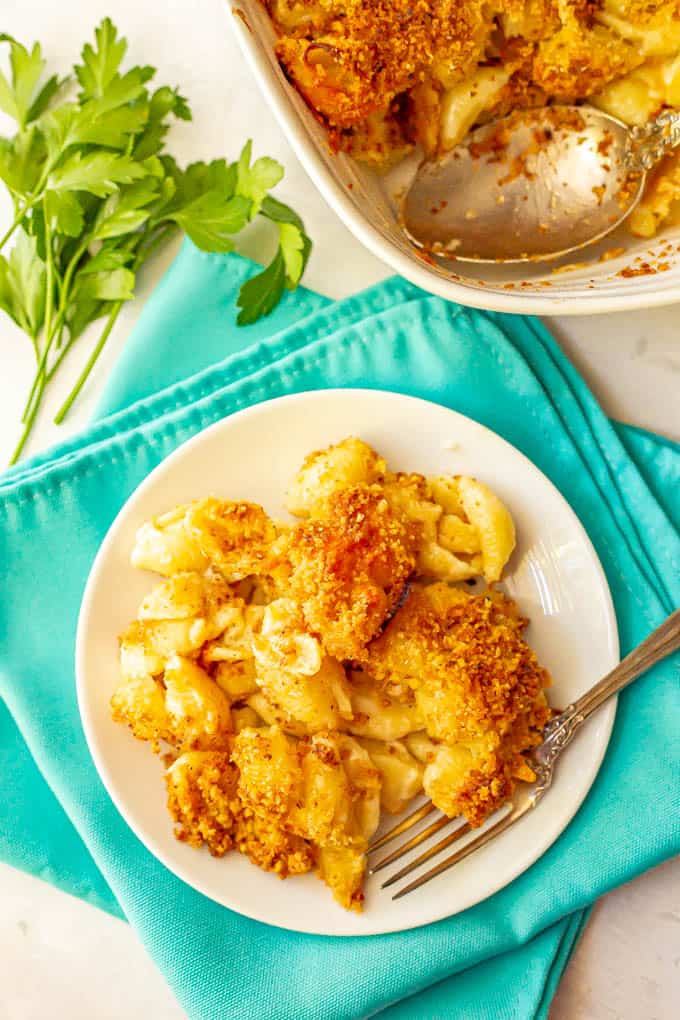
(95, 193)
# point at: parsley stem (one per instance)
(154, 241)
(57, 329)
(49, 283)
(34, 386)
(91, 361)
(39, 373)
(62, 354)
(16, 221)
(39, 378)
(30, 421)
(34, 198)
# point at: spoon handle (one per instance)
(650, 142)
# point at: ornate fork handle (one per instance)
(662, 642)
(561, 731)
(650, 142)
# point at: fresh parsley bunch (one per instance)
(95, 193)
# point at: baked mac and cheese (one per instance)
(384, 75)
(300, 679)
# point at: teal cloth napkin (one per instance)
(500, 959)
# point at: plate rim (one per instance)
(606, 714)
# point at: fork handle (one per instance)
(661, 643)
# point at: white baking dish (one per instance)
(365, 202)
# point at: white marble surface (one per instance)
(63, 960)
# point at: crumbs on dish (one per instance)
(301, 678)
(385, 75)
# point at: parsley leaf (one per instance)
(100, 64)
(106, 258)
(6, 292)
(82, 311)
(125, 211)
(291, 243)
(45, 96)
(22, 285)
(210, 221)
(199, 178)
(18, 98)
(164, 102)
(281, 213)
(107, 285)
(296, 247)
(109, 120)
(255, 181)
(261, 293)
(55, 126)
(64, 212)
(100, 173)
(21, 161)
(100, 123)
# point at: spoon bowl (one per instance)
(535, 185)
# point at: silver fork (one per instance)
(559, 732)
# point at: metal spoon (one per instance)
(535, 185)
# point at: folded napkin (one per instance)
(501, 958)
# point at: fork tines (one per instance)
(406, 823)
(487, 834)
(410, 844)
(441, 822)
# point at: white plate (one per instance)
(554, 575)
(368, 204)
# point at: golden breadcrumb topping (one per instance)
(185, 708)
(270, 775)
(231, 537)
(139, 702)
(353, 58)
(462, 653)
(272, 847)
(577, 61)
(362, 55)
(348, 568)
(475, 681)
(204, 799)
(234, 536)
(385, 74)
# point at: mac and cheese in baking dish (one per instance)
(301, 678)
(385, 75)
